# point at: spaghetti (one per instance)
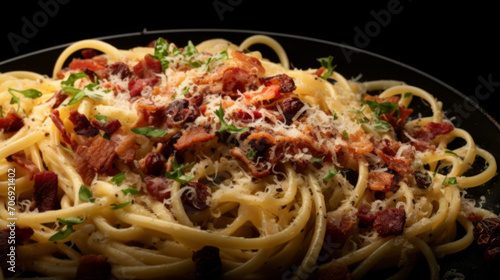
(211, 161)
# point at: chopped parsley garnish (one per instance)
(451, 152)
(131, 190)
(150, 131)
(224, 126)
(118, 179)
(313, 159)
(327, 63)
(345, 134)
(331, 173)
(119, 206)
(68, 230)
(177, 174)
(29, 93)
(101, 118)
(85, 194)
(449, 181)
(407, 95)
(379, 109)
(251, 153)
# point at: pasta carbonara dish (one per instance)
(209, 161)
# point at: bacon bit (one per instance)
(390, 222)
(147, 67)
(338, 230)
(290, 107)
(359, 143)
(392, 99)
(158, 187)
(89, 53)
(56, 119)
(21, 160)
(93, 267)
(246, 116)
(135, 86)
(125, 144)
(366, 217)
(387, 150)
(207, 263)
(58, 98)
(12, 122)
(285, 82)
(249, 63)
(430, 130)
(153, 164)
(319, 72)
(266, 94)
(240, 154)
(380, 181)
(82, 125)
(109, 127)
(196, 199)
(427, 133)
(236, 81)
(45, 190)
(94, 64)
(150, 115)
(95, 156)
(192, 136)
(398, 122)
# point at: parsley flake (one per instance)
(85, 194)
(331, 173)
(224, 126)
(68, 230)
(177, 174)
(150, 131)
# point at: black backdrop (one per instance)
(456, 43)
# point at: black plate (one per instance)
(351, 62)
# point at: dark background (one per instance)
(455, 43)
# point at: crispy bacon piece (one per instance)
(93, 267)
(366, 217)
(96, 155)
(257, 172)
(428, 132)
(56, 119)
(236, 81)
(290, 107)
(158, 187)
(284, 81)
(207, 263)
(380, 181)
(124, 143)
(57, 98)
(398, 122)
(135, 86)
(392, 99)
(108, 127)
(21, 160)
(337, 231)
(359, 143)
(150, 115)
(11, 122)
(45, 190)
(387, 150)
(390, 222)
(192, 136)
(265, 95)
(245, 116)
(147, 67)
(82, 125)
(249, 63)
(95, 63)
